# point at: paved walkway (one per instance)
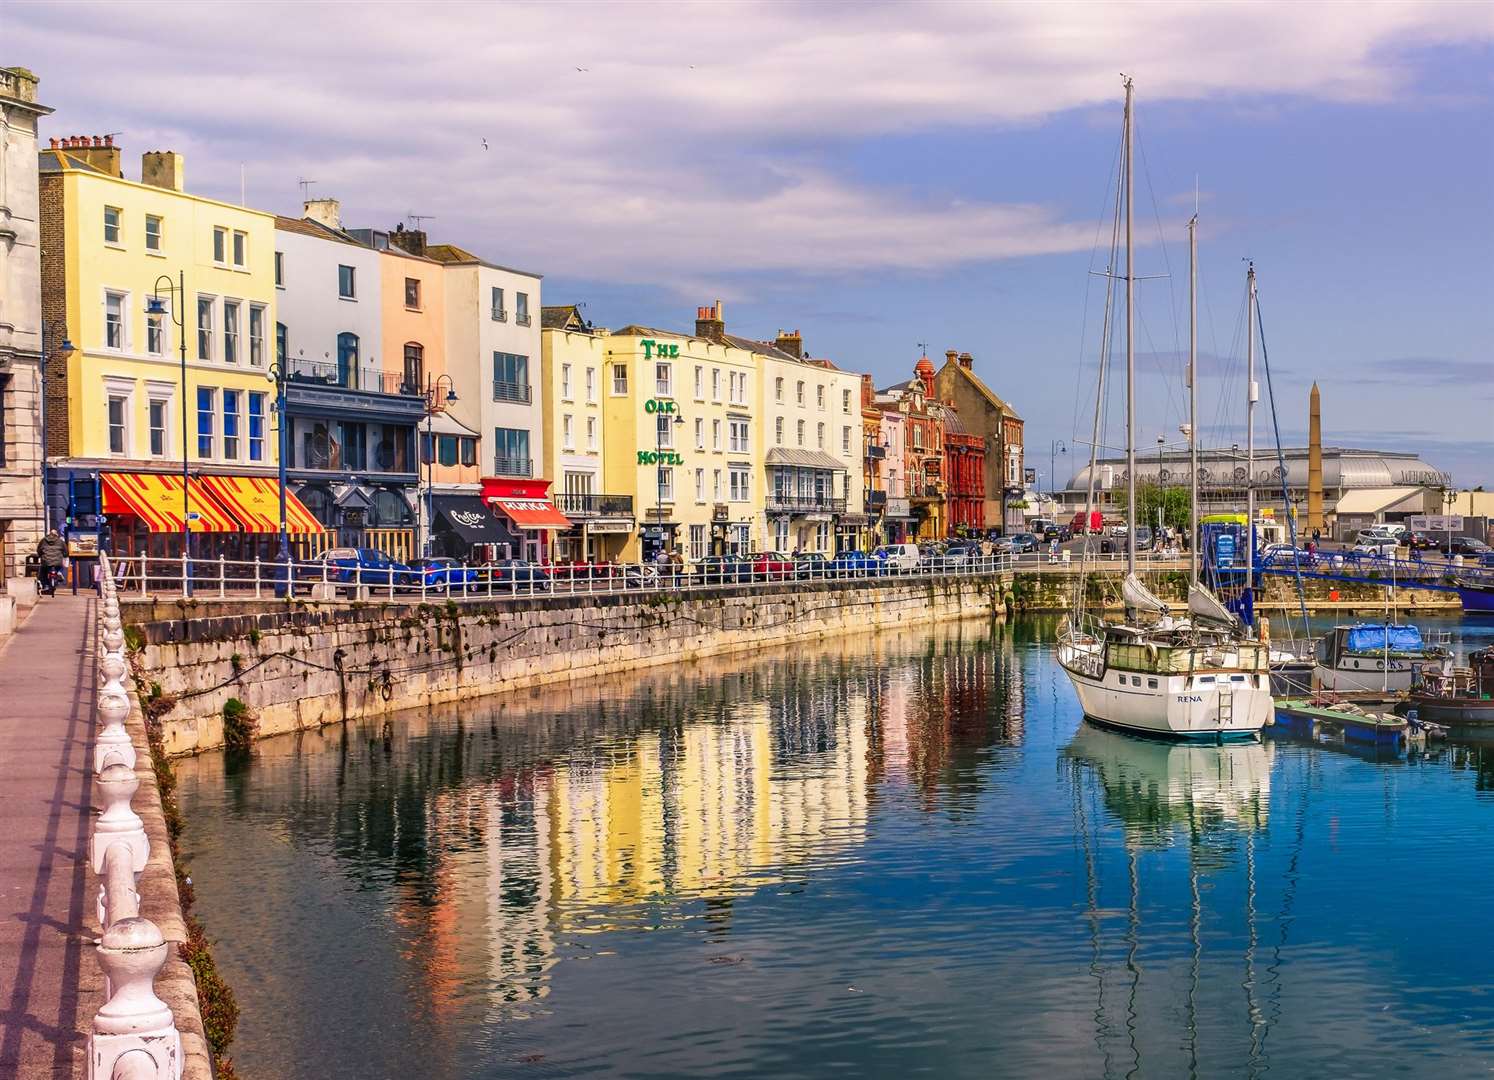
(50, 985)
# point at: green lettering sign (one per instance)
(658, 405)
(659, 457)
(652, 348)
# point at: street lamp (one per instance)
(277, 375)
(1062, 448)
(49, 330)
(659, 429)
(432, 389)
(154, 305)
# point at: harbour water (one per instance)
(878, 856)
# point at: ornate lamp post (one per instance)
(49, 331)
(432, 389)
(1060, 447)
(277, 375)
(154, 305)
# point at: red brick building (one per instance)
(964, 476)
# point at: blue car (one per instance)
(443, 572)
(855, 564)
(359, 566)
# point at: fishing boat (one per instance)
(1372, 657)
(1477, 596)
(1460, 697)
(1193, 677)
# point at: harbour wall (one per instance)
(302, 665)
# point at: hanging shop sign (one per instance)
(660, 457)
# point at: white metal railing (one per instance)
(134, 1036)
(144, 576)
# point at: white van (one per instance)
(899, 557)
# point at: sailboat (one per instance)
(1155, 673)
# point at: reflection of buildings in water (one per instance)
(1011, 685)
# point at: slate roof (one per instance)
(308, 227)
(981, 388)
(453, 255)
(61, 161)
(562, 317)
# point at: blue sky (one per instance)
(887, 175)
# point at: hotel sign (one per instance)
(652, 349)
(658, 405)
(660, 457)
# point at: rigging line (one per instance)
(1172, 407)
(1089, 285)
(1172, 299)
(1281, 464)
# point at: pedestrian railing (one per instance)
(134, 1036)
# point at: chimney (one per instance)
(410, 240)
(950, 356)
(868, 392)
(709, 323)
(162, 169)
(97, 150)
(791, 343)
(326, 211)
(967, 361)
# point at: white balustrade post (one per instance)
(118, 897)
(119, 823)
(256, 575)
(113, 742)
(133, 1024)
(142, 576)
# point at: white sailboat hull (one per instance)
(1370, 674)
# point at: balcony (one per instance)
(513, 466)
(875, 500)
(574, 505)
(876, 452)
(790, 503)
(349, 377)
(926, 492)
(511, 391)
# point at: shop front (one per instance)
(466, 528)
(530, 514)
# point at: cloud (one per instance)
(693, 138)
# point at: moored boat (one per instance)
(1460, 697)
(1372, 657)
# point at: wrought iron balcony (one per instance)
(512, 466)
(511, 391)
(791, 503)
(876, 452)
(589, 506)
(876, 500)
(311, 373)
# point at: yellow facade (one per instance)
(683, 438)
(576, 441)
(124, 380)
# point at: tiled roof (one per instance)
(308, 227)
(562, 317)
(454, 255)
(59, 161)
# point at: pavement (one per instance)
(50, 986)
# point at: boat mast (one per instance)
(1193, 398)
(1252, 394)
(1130, 352)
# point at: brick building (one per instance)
(985, 414)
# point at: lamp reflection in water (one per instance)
(1214, 799)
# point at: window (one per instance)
(352, 437)
(469, 451)
(819, 395)
(619, 379)
(715, 384)
(664, 380)
(700, 485)
(152, 233)
(240, 243)
(230, 331)
(220, 246)
(279, 269)
(666, 485)
(414, 366)
(664, 431)
(347, 283)
(204, 328)
(511, 452)
(207, 407)
(256, 425)
(231, 421)
(412, 293)
(499, 315)
(282, 342)
(845, 401)
(699, 383)
(737, 436)
(740, 484)
(111, 225)
(521, 308)
(257, 335)
(800, 427)
(347, 360)
(739, 388)
(567, 432)
(114, 306)
(699, 433)
(845, 440)
(155, 335)
(510, 377)
(778, 432)
(799, 392)
(716, 435)
(157, 416)
(591, 385)
(565, 382)
(119, 412)
(821, 436)
(446, 450)
(917, 436)
(697, 542)
(591, 433)
(716, 484)
(778, 388)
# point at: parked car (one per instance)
(1043, 528)
(1285, 554)
(520, 576)
(1464, 545)
(358, 566)
(1373, 535)
(810, 564)
(855, 564)
(1418, 541)
(772, 566)
(961, 552)
(898, 558)
(722, 570)
(1376, 545)
(1143, 537)
(443, 572)
(1003, 546)
(1024, 542)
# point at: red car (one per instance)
(772, 566)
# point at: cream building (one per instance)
(21, 523)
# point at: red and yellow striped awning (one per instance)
(255, 502)
(156, 499)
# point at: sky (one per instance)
(887, 178)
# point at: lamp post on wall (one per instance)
(432, 389)
(65, 350)
(154, 305)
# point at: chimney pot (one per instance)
(708, 323)
(162, 169)
(54, 142)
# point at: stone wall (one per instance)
(309, 665)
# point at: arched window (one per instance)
(347, 360)
(414, 367)
(319, 501)
(389, 509)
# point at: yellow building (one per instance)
(116, 405)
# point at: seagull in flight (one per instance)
(583, 69)
(485, 144)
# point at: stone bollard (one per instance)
(113, 740)
(133, 1023)
(113, 641)
(112, 672)
(118, 823)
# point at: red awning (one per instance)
(524, 502)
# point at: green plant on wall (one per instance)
(238, 725)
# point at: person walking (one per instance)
(51, 557)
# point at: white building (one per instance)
(21, 524)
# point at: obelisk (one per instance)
(1314, 461)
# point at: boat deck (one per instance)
(1354, 721)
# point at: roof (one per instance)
(1378, 500)
(452, 255)
(562, 317)
(308, 227)
(61, 161)
(808, 459)
(981, 388)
